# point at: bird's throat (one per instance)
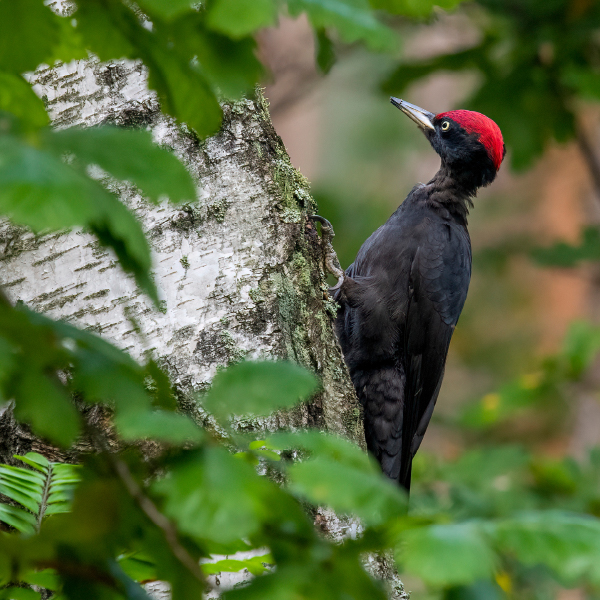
(452, 192)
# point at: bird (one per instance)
(401, 298)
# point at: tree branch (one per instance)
(591, 160)
(148, 507)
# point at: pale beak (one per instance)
(423, 118)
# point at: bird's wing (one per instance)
(438, 284)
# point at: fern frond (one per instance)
(45, 490)
(18, 518)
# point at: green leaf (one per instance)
(47, 408)
(183, 91)
(58, 508)
(445, 555)
(566, 255)
(258, 388)
(19, 50)
(348, 490)
(35, 480)
(322, 445)
(27, 487)
(341, 476)
(329, 573)
(8, 363)
(22, 495)
(18, 518)
(18, 98)
(159, 425)
(325, 51)
(237, 18)
(159, 385)
(229, 65)
(268, 454)
(354, 20)
(138, 566)
(480, 590)
(211, 495)
(46, 578)
(18, 593)
(129, 155)
(167, 9)
(116, 31)
(413, 8)
(35, 460)
(567, 543)
(254, 565)
(104, 30)
(40, 191)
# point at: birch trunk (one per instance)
(239, 271)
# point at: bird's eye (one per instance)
(445, 125)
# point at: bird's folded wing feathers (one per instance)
(439, 280)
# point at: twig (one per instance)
(590, 158)
(148, 507)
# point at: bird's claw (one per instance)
(332, 290)
(332, 264)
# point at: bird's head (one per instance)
(469, 143)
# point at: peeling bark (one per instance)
(239, 271)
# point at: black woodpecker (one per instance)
(401, 298)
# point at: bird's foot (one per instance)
(332, 264)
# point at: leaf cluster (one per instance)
(547, 387)
(214, 502)
(518, 519)
(497, 517)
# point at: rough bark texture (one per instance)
(239, 271)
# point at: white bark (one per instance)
(239, 271)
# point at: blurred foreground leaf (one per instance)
(212, 495)
(18, 98)
(352, 18)
(40, 191)
(566, 255)
(342, 476)
(258, 388)
(567, 543)
(414, 8)
(127, 154)
(238, 18)
(453, 554)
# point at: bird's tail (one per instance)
(381, 392)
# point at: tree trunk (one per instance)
(239, 271)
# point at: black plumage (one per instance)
(401, 298)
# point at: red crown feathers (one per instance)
(489, 133)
